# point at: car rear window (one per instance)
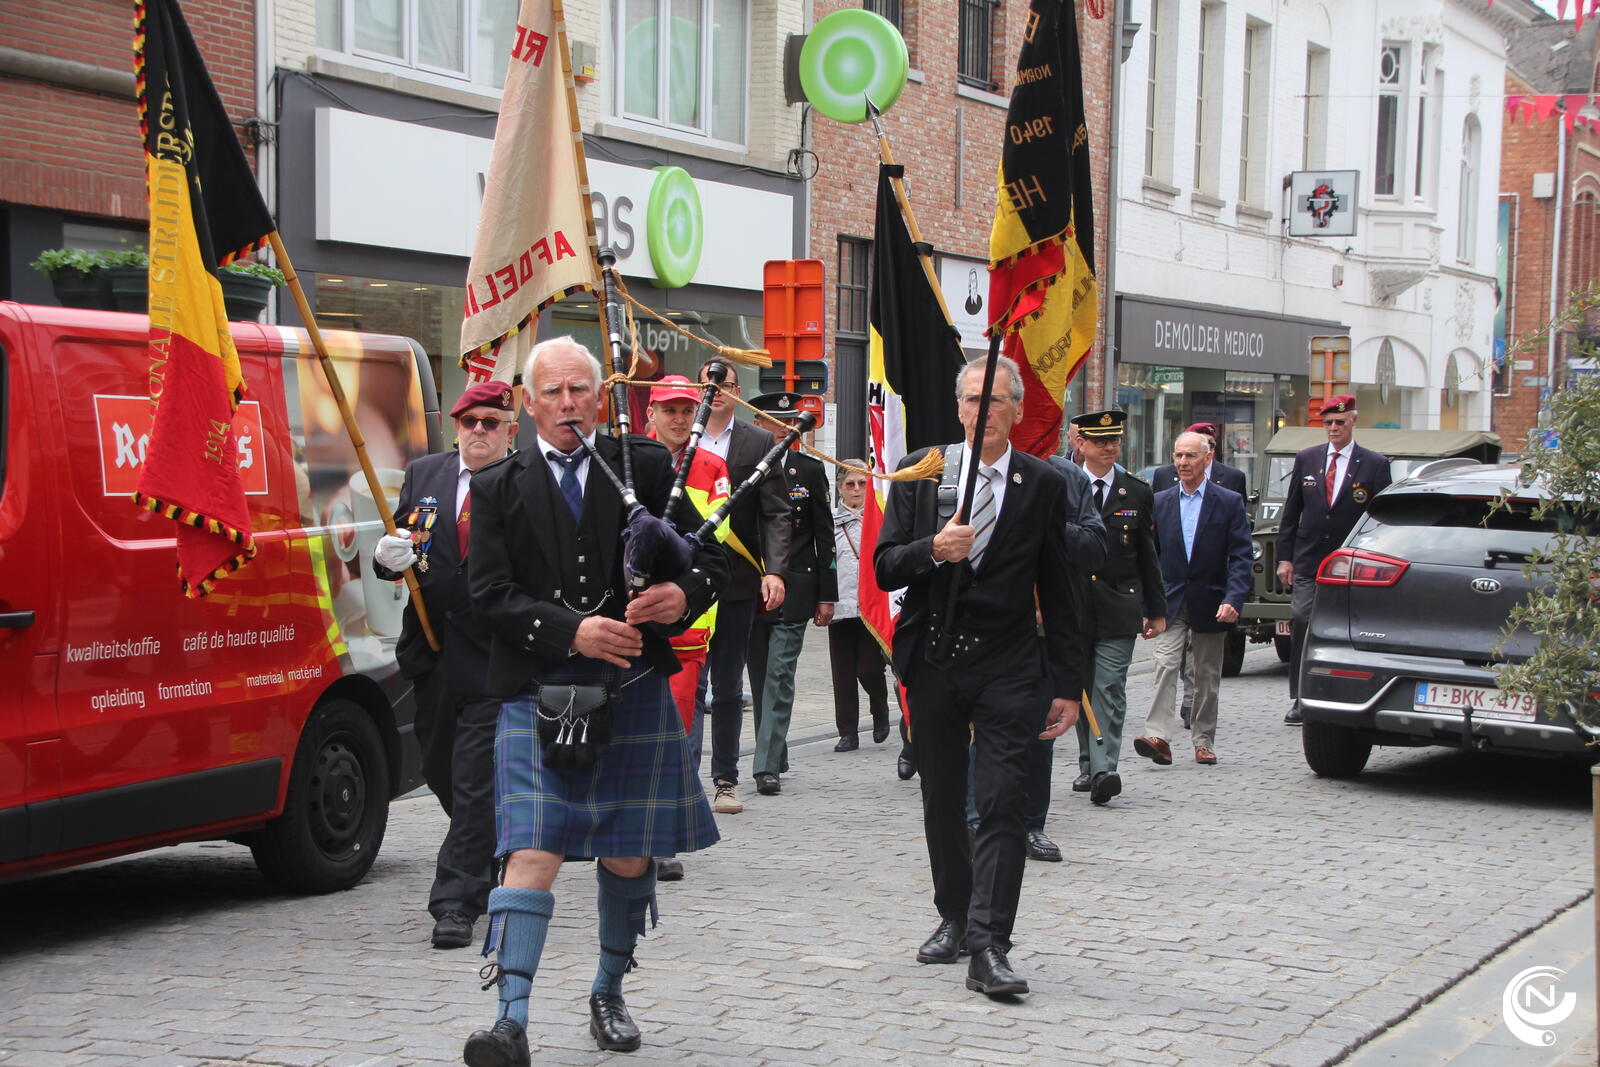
(1444, 510)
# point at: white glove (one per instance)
(394, 551)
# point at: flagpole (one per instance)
(373, 485)
(886, 155)
(558, 15)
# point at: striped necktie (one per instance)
(983, 516)
(570, 488)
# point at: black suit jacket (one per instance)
(1308, 530)
(810, 579)
(1228, 477)
(1217, 570)
(463, 639)
(1027, 551)
(518, 549)
(1129, 587)
(760, 520)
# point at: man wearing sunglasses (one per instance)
(455, 717)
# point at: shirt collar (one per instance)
(1199, 490)
(546, 447)
(1001, 466)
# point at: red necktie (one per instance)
(464, 527)
(1333, 470)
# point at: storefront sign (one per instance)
(1166, 376)
(431, 204)
(1193, 335)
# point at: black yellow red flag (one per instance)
(205, 210)
(1042, 291)
(913, 357)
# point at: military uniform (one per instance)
(810, 580)
(1123, 592)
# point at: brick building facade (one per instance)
(1551, 209)
(948, 134)
(71, 165)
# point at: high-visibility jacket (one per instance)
(706, 487)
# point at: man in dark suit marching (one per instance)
(1329, 489)
(810, 589)
(571, 643)
(998, 680)
(1204, 540)
(455, 714)
(1166, 475)
(1125, 596)
(758, 557)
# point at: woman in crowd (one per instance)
(852, 650)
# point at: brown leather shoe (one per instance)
(1202, 754)
(1154, 749)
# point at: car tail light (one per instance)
(1352, 566)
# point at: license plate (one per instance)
(1485, 702)
(1285, 628)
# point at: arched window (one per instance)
(1467, 191)
(1586, 238)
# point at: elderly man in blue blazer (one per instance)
(1204, 540)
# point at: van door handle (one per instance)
(15, 620)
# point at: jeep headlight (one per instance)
(1256, 551)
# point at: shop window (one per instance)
(465, 40)
(975, 45)
(698, 88)
(851, 295)
(428, 314)
(1391, 92)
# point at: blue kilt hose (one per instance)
(640, 799)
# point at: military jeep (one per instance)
(1266, 612)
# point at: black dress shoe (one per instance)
(768, 785)
(1293, 718)
(1041, 847)
(669, 869)
(906, 766)
(990, 973)
(453, 929)
(504, 1046)
(610, 1024)
(1081, 783)
(847, 743)
(947, 944)
(880, 732)
(1106, 785)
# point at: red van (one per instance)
(271, 712)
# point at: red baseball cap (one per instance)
(674, 387)
(484, 395)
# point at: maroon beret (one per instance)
(1338, 405)
(1207, 428)
(484, 395)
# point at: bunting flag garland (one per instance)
(913, 359)
(532, 244)
(1570, 107)
(205, 211)
(1042, 292)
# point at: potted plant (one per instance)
(246, 287)
(76, 277)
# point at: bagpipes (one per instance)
(716, 373)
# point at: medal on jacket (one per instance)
(421, 523)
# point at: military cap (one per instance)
(1101, 424)
(484, 395)
(778, 405)
(1207, 428)
(1339, 405)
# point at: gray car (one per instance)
(1409, 623)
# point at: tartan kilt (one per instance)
(640, 799)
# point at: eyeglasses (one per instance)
(471, 422)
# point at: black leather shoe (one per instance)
(990, 973)
(1081, 783)
(610, 1024)
(947, 944)
(768, 785)
(504, 1046)
(669, 869)
(453, 929)
(1041, 847)
(906, 766)
(848, 743)
(1106, 785)
(1293, 718)
(880, 732)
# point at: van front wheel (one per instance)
(337, 805)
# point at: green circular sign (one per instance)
(675, 226)
(849, 56)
